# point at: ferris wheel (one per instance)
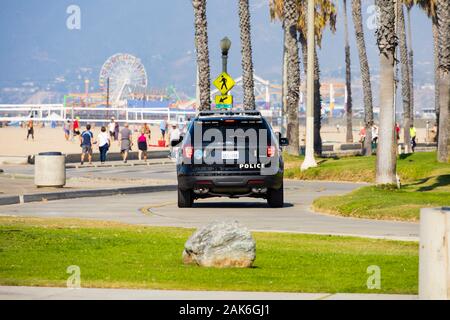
(125, 74)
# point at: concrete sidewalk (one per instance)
(18, 182)
(46, 293)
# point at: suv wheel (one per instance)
(185, 199)
(275, 197)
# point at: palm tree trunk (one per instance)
(293, 77)
(443, 14)
(246, 51)
(317, 95)
(365, 75)
(201, 44)
(348, 80)
(411, 67)
(317, 107)
(284, 86)
(437, 73)
(386, 39)
(406, 86)
(304, 47)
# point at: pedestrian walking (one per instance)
(76, 126)
(30, 128)
(163, 128)
(87, 140)
(362, 135)
(112, 128)
(104, 142)
(175, 136)
(413, 134)
(142, 145)
(66, 127)
(125, 142)
(433, 136)
(116, 131)
(147, 131)
(374, 137)
(397, 131)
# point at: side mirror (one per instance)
(284, 142)
(175, 143)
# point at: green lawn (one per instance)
(375, 203)
(425, 183)
(410, 168)
(37, 252)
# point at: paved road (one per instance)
(154, 171)
(159, 209)
(37, 293)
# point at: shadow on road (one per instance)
(236, 205)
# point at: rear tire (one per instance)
(275, 197)
(185, 198)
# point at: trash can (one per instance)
(50, 169)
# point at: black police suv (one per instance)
(230, 154)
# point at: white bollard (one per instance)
(434, 254)
(50, 169)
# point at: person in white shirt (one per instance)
(103, 143)
(111, 128)
(175, 135)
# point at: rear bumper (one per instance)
(230, 184)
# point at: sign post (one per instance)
(224, 83)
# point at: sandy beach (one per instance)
(13, 139)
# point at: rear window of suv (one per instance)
(230, 128)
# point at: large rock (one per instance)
(221, 244)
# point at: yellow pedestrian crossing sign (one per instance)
(227, 99)
(224, 83)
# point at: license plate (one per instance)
(230, 155)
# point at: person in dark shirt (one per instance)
(87, 140)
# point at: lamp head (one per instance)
(225, 45)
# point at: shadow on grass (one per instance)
(419, 182)
(404, 156)
(441, 181)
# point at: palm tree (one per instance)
(406, 78)
(246, 51)
(325, 15)
(443, 15)
(276, 8)
(409, 4)
(285, 10)
(430, 8)
(293, 74)
(437, 72)
(365, 75)
(348, 79)
(387, 42)
(201, 44)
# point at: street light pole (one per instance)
(225, 45)
(309, 161)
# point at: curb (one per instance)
(51, 196)
(6, 200)
(112, 156)
(117, 164)
(4, 160)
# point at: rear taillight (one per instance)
(271, 151)
(188, 151)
